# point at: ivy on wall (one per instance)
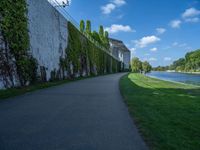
(14, 31)
(83, 56)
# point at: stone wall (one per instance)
(127, 59)
(2, 46)
(48, 35)
(49, 38)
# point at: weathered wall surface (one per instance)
(48, 34)
(126, 59)
(2, 46)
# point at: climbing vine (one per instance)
(14, 32)
(83, 56)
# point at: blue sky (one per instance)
(159, 31)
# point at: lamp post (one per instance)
(65, 3)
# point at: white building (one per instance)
(119, 50)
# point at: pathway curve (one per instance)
(84, 115)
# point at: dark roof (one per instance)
(119, 44)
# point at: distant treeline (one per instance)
(191, 63)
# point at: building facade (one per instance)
(120, 51)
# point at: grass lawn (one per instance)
(166, 113)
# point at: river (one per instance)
(178, 77)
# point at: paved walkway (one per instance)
(83, 115)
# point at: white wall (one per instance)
(127, 59)
(48, 34)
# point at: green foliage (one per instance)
(161, 68)
(191, 62)
(101, 32)
(106, 41)
(180, 62)
(101, 37)
(166, 113)
(136, 65)
(84, 56)
(88, 27)
(14, 26)
(106, 35)
(146, 67)
(96, 37)
(82, 26)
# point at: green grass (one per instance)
(166, 113)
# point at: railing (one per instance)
(60, 8)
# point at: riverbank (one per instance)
(193, 79)
(176, 82)
(183, 72)
(166, 113)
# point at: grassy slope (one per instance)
(167, 114)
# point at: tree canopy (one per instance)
(138, 66)
(82, 26)
(102, 37)
(191, 63)
(146, 67)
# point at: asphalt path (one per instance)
(83, 115)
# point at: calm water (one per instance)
(178, 77)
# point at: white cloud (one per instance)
(183, 45)
(107, 9)
(193, 20)
(145, 41)
(115, 28)
(179, 45)
(175, 44)
(191, 12)
(133, 49)
(175, 23)
(152, 59)
(167, 47)
(120, 16)
(161, 30)
(153, 49)
(119, 2)
(167, 59)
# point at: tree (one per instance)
(82, 26)
(96, 37)
(191, 62)
(106, 35)
(146, 67)
(177, 63)
(101, 32)
(88, 27)
(136, 65)
(107, 43)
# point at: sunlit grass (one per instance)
(167, 113)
